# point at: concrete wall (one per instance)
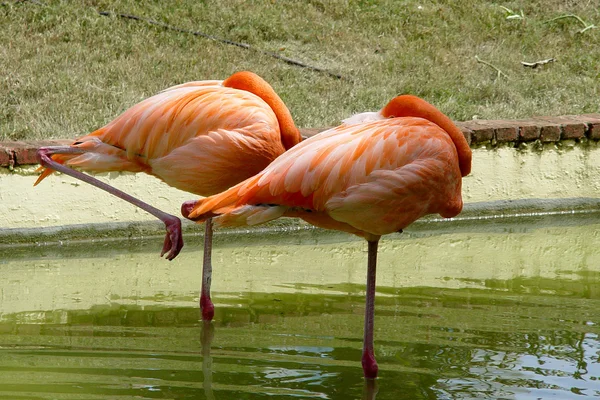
(501, 173)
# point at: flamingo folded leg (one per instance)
(173, 239)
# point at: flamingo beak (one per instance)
(187, 207)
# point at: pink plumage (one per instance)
(373, 175)
(368, 178)
(201, 137)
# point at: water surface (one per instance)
(495, 309)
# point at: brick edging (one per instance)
(545, 129)
(17, 153)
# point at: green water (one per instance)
(504, 308)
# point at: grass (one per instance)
(66, 70)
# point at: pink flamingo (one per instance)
(375, 174)
(202, 137)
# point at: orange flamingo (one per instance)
(375, 174)
(202, 137)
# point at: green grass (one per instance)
(66, 70)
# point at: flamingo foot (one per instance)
(369, 365)
(173, 239)
(207, 307)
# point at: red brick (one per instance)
(24, 153)
(507, 134)
(593, 124)
(594, 131)
(5, 157)
(550, 132)
(571, 126)
(479, 133)
(499, 130)
(12, 148)
(528, 129)
(529, 132)
(504, 130)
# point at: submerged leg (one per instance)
(370, 389)
(206, 338)
(368, 357)
(173, 240)
(206, 305)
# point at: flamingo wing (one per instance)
(161, 123)
(198, 131)
(207, 164)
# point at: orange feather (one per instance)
(369, 178)
(201, 137)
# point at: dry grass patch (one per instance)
(65, 69)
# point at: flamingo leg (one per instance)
(173, 239)
(368, 357)
(206, 304)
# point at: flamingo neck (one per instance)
(412, 106)
(250, 82)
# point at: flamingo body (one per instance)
(201, 137)
(367, 178)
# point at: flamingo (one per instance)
(202, 137)
(373, 175)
